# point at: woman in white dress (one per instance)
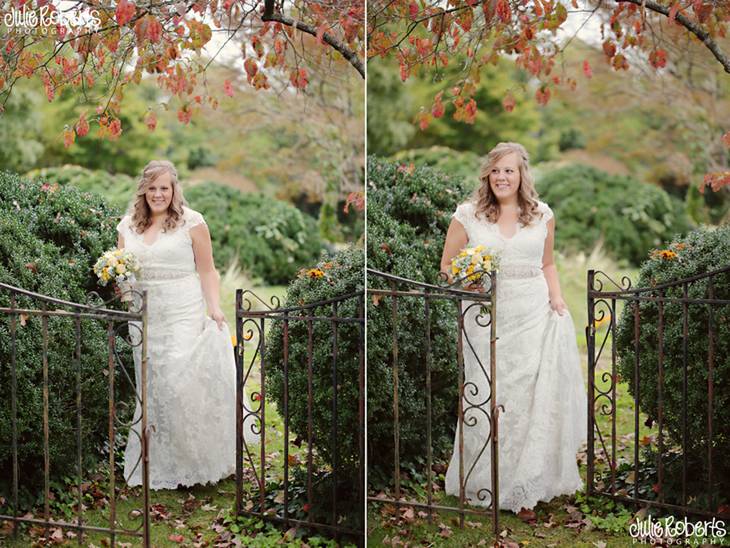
(191, 375)
(539, 380)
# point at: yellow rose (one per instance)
(121, 269)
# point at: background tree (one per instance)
(76, 44)
(427, 37)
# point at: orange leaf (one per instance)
(69, 136)
(726, 139)
(438, 107)
(151, 121)
(509, 103)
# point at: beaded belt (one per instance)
(518, 271)
(149, 275)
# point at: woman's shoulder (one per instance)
(465, 212)
(125, 223)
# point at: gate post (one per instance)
(591, 349)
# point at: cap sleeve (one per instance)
(547, 213)
(464, 214)
(123, 225)
(193, 219)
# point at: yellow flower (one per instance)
(315, 273)
(121, 269)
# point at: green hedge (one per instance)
(628, 216)
(49, 239)
(117, 190)
(408, 216)
(700, 251)
(271, 239)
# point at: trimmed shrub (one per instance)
(628, 216)
(269, 238)
(456, 163)
(117, 190)
(700, 251)
(50, 237)
(408, 216)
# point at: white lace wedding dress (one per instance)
(191, 374)
(539, 380)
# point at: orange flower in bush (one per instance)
(314, 273)
(666, 254)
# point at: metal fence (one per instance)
(20, 310)
(296, 334)
(669, 332)
(476, 395)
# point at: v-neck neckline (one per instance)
(508, 238)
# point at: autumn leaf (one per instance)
(176, 538)
(355, 199)
(228, 88)
(509, 102)
(542, 95)
(437, 110)
(587, 70)
(424, 119)
(69, 136)
(413, 10)
(726, 139)
(658, 58)
(150, 120)
(124, 12)
(82, 126)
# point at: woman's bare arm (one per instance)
(209, 279)
(551, 272)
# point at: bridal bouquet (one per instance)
(472, 264)
(120, 266)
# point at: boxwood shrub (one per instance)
(628, 216)
(408, 216)
(698, 252)
(270, 239)
(50, 237)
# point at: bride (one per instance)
(191, 375)
(539, 380)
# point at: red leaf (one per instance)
(320, 32)
(176, 538)
(125, 12)
(726, 139)
(228, 88)
(151, 120)
(587, 70)
(355, 199)
(609, 48)
(82, 126)
(658, 58)
(154, 29)
(504, 12)
(299, 78)
(509, 103)
(413, 9)
(470, 111)
(423, 119)
(542, 95)
(673, 12)
(437, 110)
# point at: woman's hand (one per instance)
(217, 315)
(558, 305)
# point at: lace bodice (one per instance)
(525, 248)
(170, 255)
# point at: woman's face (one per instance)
(504, 178)
(159, 193)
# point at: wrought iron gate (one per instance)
(477, 394)
(340, 321)
(22, 309)
(658, 320)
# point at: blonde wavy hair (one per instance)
(139, 210)
(486, 202)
